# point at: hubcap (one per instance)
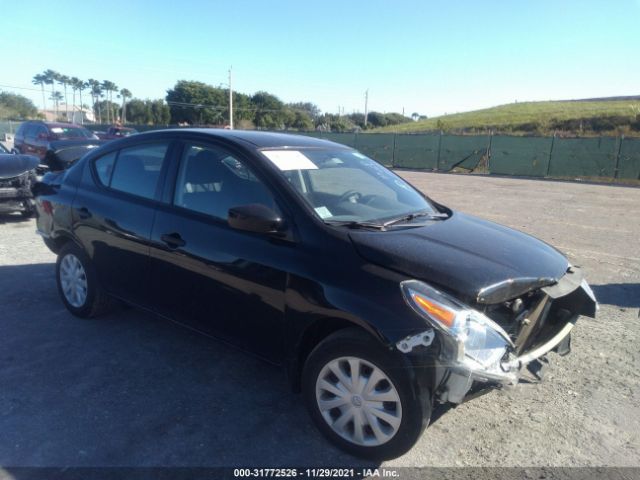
(358, 401)
(73, 280)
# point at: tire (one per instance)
(405, 409)
(90, 300)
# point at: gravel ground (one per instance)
(133, 390)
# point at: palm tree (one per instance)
(125, 94)
(64, 81)
(56, 97)
(96, 90)
(109, 87)
(50, 77)
(73, 82)
(39, 79)
(81, 86)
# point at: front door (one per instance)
(216, 279)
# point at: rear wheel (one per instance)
(78, 285)
(362, 398)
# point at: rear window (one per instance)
(64, 133)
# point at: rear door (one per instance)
(113, 213)
(216, 279)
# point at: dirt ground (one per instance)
(134, 390)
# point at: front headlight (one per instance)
(477, 341)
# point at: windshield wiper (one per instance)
(354, 224)
(411, 216)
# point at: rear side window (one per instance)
(134, 170)
(104, 167)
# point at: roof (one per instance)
(55, 124)
(263, 139)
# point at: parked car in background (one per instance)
(34, 137)
(116, 132)
(17, 176)
(379, 301)
(61, 154)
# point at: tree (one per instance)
(50, 77)
(309, 108)
(198, 103)
(160, 112)
(17, 107)
(64, 81)
(109, 87)
(81, 86)
(39, 79)
(57, 98)
(269, 111)
(124, 93)
(95, 89)
(74, 82)
(415, 116)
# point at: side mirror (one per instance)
(256, 218)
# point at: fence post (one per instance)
(489, 152)
(438, 157)
(553, 141)
(615, 171)
(393, 153)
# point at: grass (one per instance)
(525, 117)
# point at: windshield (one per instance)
(345, 186)
(63, 133)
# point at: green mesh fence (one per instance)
(416, 151)
(583, 157)
(629, 162)
(378, 146)
(461, 151)
(520, 155)
(343, 138)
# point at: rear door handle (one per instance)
(173, 240)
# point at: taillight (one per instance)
(47, 207)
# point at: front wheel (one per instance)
(362, 398)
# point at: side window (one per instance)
(211, 181)
(104, 167)
(137, 169)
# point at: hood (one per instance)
(477, 259)
(15, 165)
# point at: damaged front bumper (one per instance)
(546, 327)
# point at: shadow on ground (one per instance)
(132, 389)
(625, 295)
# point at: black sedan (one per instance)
(378, 301)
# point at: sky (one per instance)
(429, 57)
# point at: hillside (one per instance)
(597, 116)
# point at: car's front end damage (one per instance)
(494, 341)
(17, 175)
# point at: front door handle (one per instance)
(173, 240)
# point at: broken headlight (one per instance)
(475, 341)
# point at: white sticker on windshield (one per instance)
(323, 212)
(289, 160)
(56, 130)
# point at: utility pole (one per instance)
(230, 101)
(366, 106)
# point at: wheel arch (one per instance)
(315, 333)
